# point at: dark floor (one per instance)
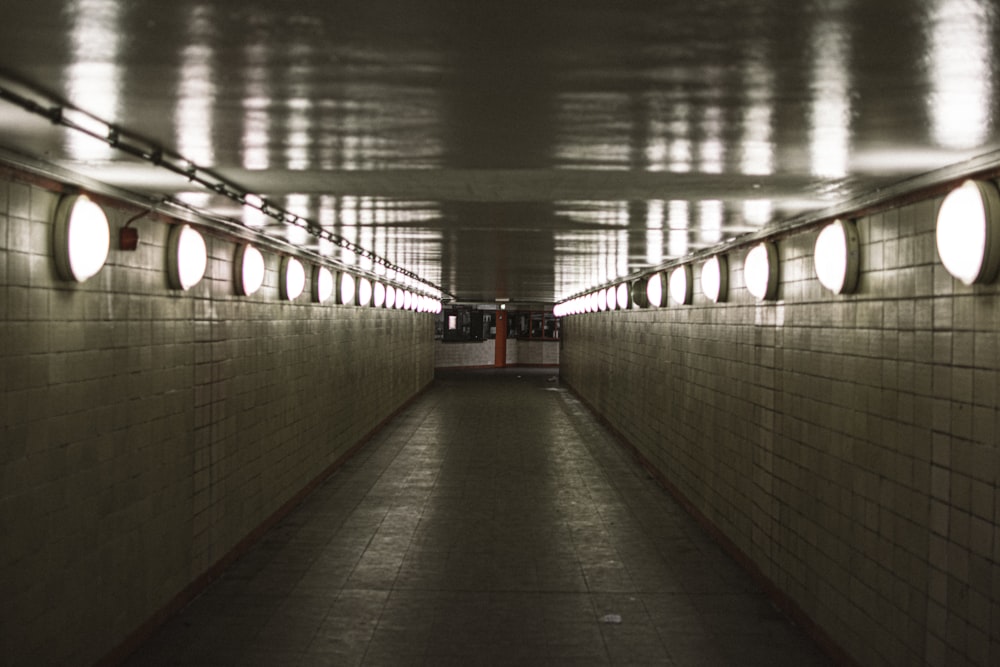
(493, 522)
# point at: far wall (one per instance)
(483, 353)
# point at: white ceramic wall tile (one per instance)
(146, 432)
(847, 444)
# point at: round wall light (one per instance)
(681, 285)
(715, 278)
(364, 292)
(624, 297)
(378, 295)
(249, 268)
(836, 257)
(760, 271)
(390, 296)
(82, 238)
(407, 299)
(601, 299)
(611, 294)
(187, 257)
(322, 284)
(968, 240)
(656, 290)
(639, 296)
(348, 289)
(293, 278)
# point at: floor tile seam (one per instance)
(647, 484)
(598, 453)
(387, 505)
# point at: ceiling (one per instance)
(519, 150)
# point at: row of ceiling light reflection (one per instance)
(259, 209)
(82, 238)
(968, 244)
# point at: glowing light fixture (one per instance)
(82, 238)
(715, 278)
(623, 296)
(968, 238)
(760, 271)
(348, 289)
(249, 266)
(601, 299)
(322, 284)
(293, 278)
(390, 296)
(611, 296)
(378, 295)
(656, 290)
(407, 299)
(187, 257)
(681, 285)
(836, 257)
(365, 292)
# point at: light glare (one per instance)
(680, 285)
(836, 257)
(250, 265)
(713, 279)
(623, 296)
(323, 288)
(82, 238)
(759, 271)
(966, 240)
(294, 276)
(188, 257)
(654, 290)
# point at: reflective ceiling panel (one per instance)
(521, 150)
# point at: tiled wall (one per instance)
(147, 431)
(846, 444)
(483, 353)
(532, 353)
(464, 355)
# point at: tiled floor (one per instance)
(494, 522)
